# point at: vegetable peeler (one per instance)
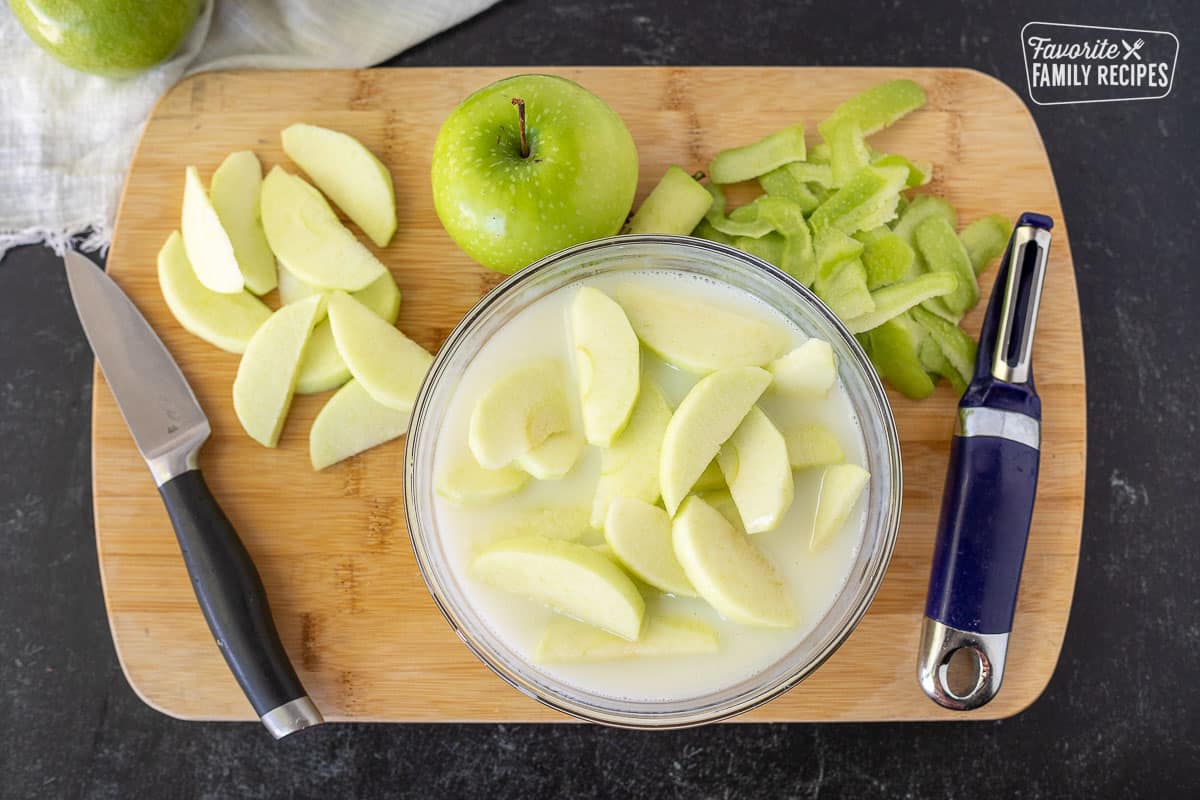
(991, 482)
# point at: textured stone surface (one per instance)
(1120, 717)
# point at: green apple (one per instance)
(382, 296)
(569, 578)
(708, 415)
(235, 193)
(465, 483)
(711, 479)
(349, 173)
(640, 536)
(310, 240)
(349, 423)
(728, 570)
(630, 467)
(115, 38)
(841, 486)
(387, 363)
(566, 640)
(266, 375)
(808, 371)
(696, 336)
(606, 550)
(322, 367)
(225, 320)
(755, 464)
(519, 412)
(676, 205)
(553, 458)
(292, 289)
(813, 446)
(647, 591)
(207, 244)
(530, 165)
(568, 522)
(607, 362)
(722, 501)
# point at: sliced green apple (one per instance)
(722, 501)
(266, 376)
(711, 479)
(553, 458)
(292, 289)
(813, 446)
(519, 412)
(640, 536)
(381, 296)
(225, 320)
(808, 371)
(350, 422)
(387, 363)
(235, 192)
(465, 483)
(728, 570)
(349, 174)
(755, 464)
(697, 336)
(630, 467)
(569, 578)
(605, 550)
(307, 236)
(207, 244)
(608, 364)
(708, 415)
(566, 640)
(841, 486)
(676, 205)
(322, 367)
(568, 522)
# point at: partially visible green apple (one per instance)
(116, 38)
(508, 206)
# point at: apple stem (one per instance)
(520, 104)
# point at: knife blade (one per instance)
(169, 428)
(155, 399)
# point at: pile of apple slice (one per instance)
(335, 326)
(681, 491)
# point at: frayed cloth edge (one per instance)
(87, 236)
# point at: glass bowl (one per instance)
(717, 262)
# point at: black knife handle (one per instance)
(234, 603)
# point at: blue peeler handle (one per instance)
(986, 511)
(991, 484)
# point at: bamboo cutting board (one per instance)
(332, 547)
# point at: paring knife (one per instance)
(169, 428)
(991, 482)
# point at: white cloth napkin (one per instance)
(66, 138)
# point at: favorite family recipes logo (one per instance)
(1088, 64)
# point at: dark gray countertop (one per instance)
(1120, 717)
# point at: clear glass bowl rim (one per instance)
(648, 719)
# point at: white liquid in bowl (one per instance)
(814, 578)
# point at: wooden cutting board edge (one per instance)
(995, 711)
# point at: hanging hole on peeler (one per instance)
(962, 672)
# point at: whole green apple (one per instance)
(530, 165)
(115, 38)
